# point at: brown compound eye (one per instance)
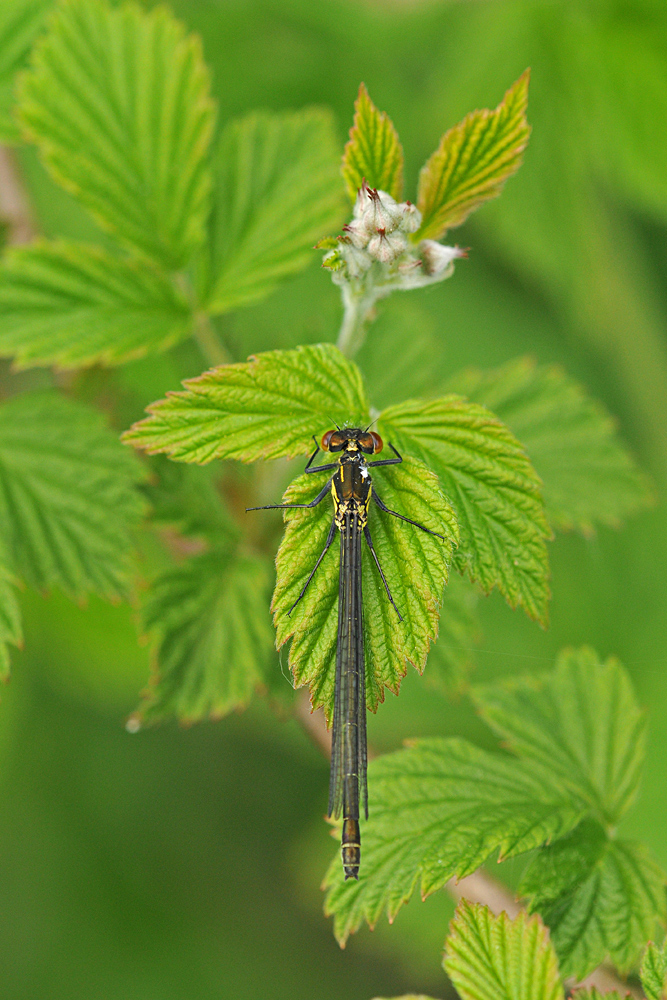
(326, 438)
(333, 440)
(377, 441)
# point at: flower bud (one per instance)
(386, 247)
(411, 217)
(437, 257)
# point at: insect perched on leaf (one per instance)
(352, 490)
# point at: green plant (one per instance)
(117, 102)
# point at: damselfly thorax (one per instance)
(351, 488)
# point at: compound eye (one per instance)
(326, 439)
(366, 443)
(377, 441)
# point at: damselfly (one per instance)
(352, 490)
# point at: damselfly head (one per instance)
(352, 439)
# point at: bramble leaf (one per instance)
(415, 564)
(118, 102)
(373, 152)
(439, 809)
(214, 636)
(653, 972)
(68, 497)
(599, 896)
(451, 657)
(472, 162)
(276, 193)
(495, 958)
(493, 488)
(589, 478)
(268, 407)
(20, 22)
(582, 721)
(10, 621)
(69, 304)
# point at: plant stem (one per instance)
(357, 317)
(209, 343)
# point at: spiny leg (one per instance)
(327, 546)
(291, 506)
(369, 541)
(395, 513)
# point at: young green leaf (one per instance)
(451, 657)
(582, 721)
(599, 896)
(589, 478)
(493, 489)
(268, 407)
(373, 152)
(20, 22)
(214, 636)
(69, 304)
(439, 809)
(472, 162)
(653, 972)
(10, 621)
(415, 564)
(118, 102)
(495, 958)
(276, 193)
(68, 497)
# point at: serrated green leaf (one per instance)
(214, 636)
(268, 407)
(472, 162)
(70, 304)
(10, 621)
(589, 478)
(118, 102)
(653, 972)
(20, 22)
(439, 809)
(452, 655)
(599, 897)
(495, 958)
(493, 489)
(582, 721)
(276, 193)
(68, 497)
(415, 564)
(373, 152)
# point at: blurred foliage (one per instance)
(181, 864)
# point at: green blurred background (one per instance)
(182, 863)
